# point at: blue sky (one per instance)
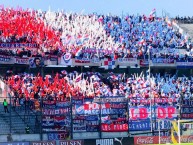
(117, 7)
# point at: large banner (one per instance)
(86, 123)
(144, 125)
(104, 109)
(139, 117)
(187, 112)
(7, 59)
(33, 62)
(184, 64)
(19, 60)
(141, 140)
(114, 127)
(86, 62)
(187, 109)
(145, 101)
(57, 136)
(127, 61)
(18, 45)
(56, 117)
(163, 60)
(114, 99)
(95, 51)
(111, 111)
(160, 112)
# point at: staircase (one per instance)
(17, 120)
(10, 122)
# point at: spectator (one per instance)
(27, 129)
(9, 138)
(5, 104)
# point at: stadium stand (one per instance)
(63, 101)
(58, 32)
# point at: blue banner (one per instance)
(163, 60)
(57, 136)
(92, 128)
(184, 64)
(63, 104)
(18, 45)
(91, 118)
(143, 125)
(160, 112)
(77, 101)
(139, 125)
(187, 102)
(80, 111)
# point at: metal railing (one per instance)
(35, 119)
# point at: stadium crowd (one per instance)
(62, 86)
(61, 33)
(185, 20)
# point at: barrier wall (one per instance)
(104, 141)
(140, 140)
(24, 137)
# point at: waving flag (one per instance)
(64, 72)
(106, 120)
(153, 13)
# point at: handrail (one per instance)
(21, 118)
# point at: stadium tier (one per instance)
(89, 36)
(116, 93)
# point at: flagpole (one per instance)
(179, 135)
(100, 122)
(71, 118)
(159, 131)
(150, 92)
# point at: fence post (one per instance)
(41, 118)
(100, 130)
(128, 101)
(71, 118)
(10, 119)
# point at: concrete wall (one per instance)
(24, 137)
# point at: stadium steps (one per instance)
(30, 118)
(17, 123)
